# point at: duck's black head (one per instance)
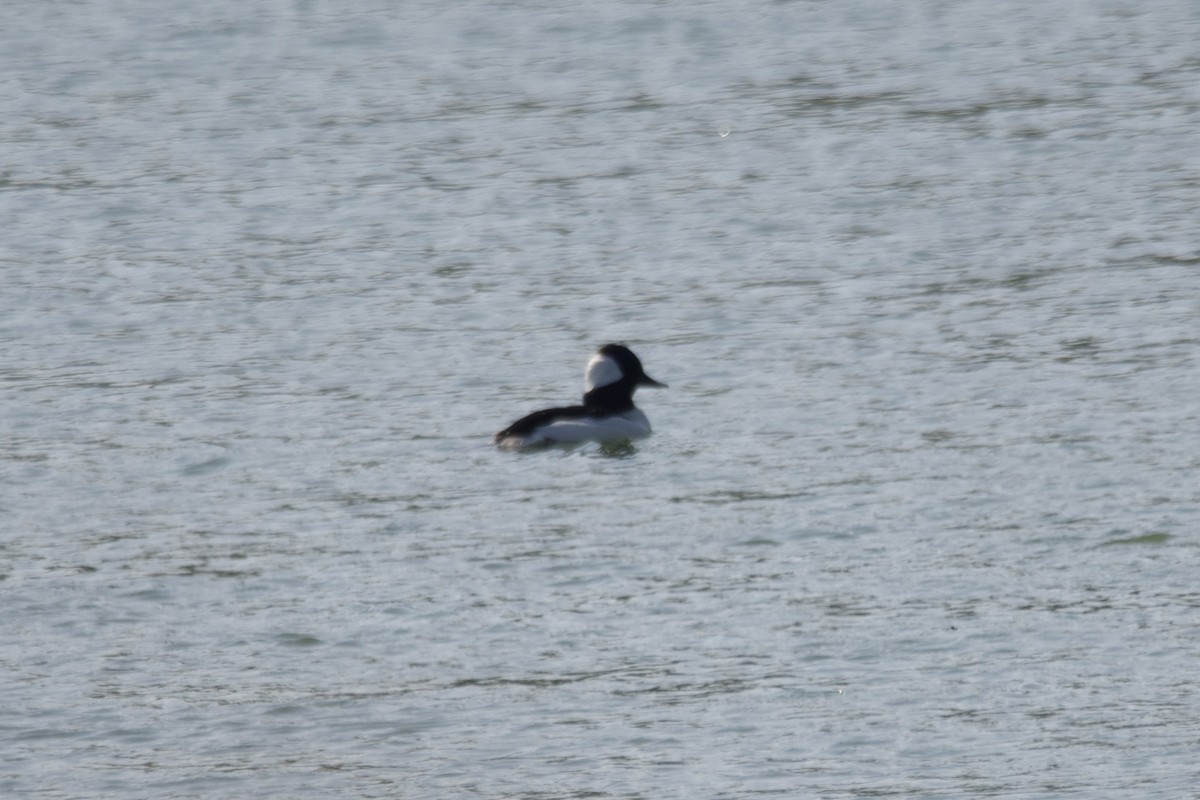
(629, 364)
(613, 375)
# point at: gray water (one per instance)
(920, 517)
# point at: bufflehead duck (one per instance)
(607, 413)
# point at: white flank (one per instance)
(630, 425)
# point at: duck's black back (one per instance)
(528, 424)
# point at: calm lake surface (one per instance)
(921, 514)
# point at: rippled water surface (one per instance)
(920, 515)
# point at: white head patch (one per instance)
(601, 371)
